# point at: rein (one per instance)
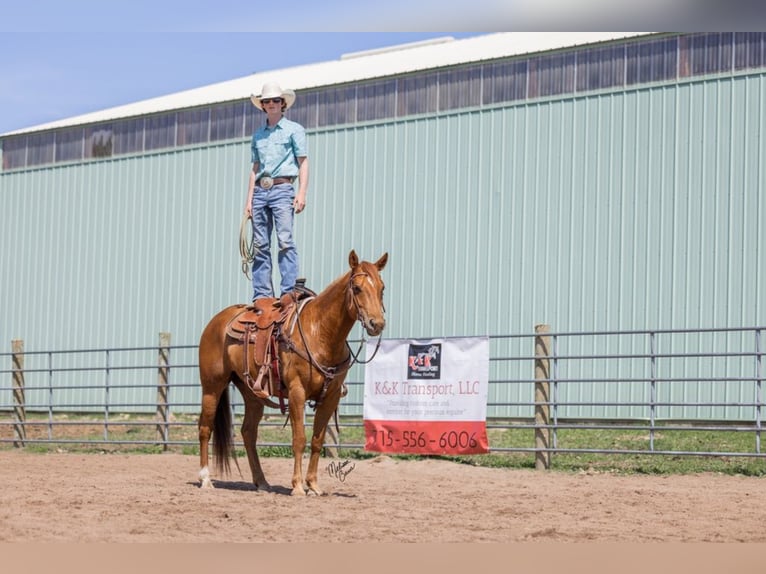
(361, 344)
(328, 372)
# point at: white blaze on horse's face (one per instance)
(367, 292)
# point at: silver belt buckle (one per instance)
(267, 182)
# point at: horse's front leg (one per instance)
(297, 405)
(321, 420)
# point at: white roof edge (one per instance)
(435, 53)
(397, 48)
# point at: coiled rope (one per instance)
(245, 245)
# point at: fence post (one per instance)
(19, 402)
(162, 389)
(542, 397)
(758, 390)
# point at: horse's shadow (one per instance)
(242, 486)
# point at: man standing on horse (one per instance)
(279, 153)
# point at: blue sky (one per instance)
(66, 74)
(61, 58)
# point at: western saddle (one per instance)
(258, 328)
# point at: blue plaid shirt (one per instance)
(277, 148)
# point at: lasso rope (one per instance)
(245, 245)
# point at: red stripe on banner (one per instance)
(426, 437)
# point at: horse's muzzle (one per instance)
(374, 327)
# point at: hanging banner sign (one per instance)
(427, 397)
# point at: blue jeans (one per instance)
(273, 208)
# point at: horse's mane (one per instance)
(339, 283)
(342, 281)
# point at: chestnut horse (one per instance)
(314, 360)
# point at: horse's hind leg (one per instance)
(205, 424)
(253, 415)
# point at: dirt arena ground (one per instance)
(155, 498)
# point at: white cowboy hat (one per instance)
(273, 90)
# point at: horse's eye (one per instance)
(357, 289)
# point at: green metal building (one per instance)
(591, 182)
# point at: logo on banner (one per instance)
(424, 361)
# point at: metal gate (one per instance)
(661, 381)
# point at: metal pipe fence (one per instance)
(544, 386)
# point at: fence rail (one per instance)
(547, 383)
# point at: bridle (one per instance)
(330, 372)
(361, 319)
(359, 315)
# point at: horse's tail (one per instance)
(222, 434)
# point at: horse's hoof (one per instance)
(312, 489)
(204, 479)
(264, 486)
(298, 491)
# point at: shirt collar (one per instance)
(275, 126)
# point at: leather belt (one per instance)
(276, 180)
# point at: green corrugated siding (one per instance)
(622, 210)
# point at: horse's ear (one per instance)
(353, 260)
(381, 263)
